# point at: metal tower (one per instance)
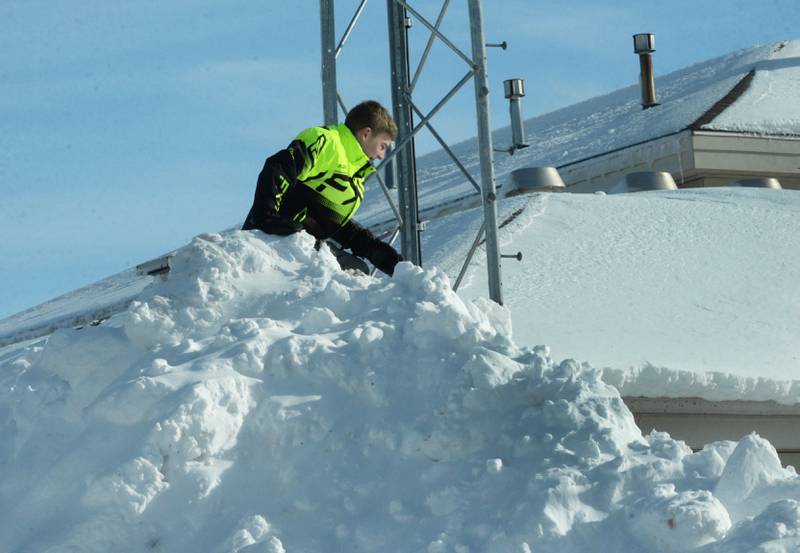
(400, 15)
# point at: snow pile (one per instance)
(262, 400)
(679, 293)
(700, 515)
(754, 478)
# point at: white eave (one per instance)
(699, 421)
(729, 152)
(672, 153)
(694, 158)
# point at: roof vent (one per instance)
(514, 92)
(159, 266)
(758, 183)
(536, 179)
(644, 44)
(643, 181)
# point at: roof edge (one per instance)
(745, 134)
(620, 149)
(725, 102)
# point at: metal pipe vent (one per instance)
(514, 92)
(536, 179)
(644, 44)
(758, 183)
(643, 181)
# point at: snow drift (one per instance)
(673, 293)
(262, 400)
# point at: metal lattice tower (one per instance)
(404, 110)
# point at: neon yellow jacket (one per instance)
(317, 184)
(336, 168)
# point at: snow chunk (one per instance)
(671, 521)
(130, 490)
(564, 506)
(253, 537)
(753, 478)
(489, 369)
(775, 530)
(206, 424)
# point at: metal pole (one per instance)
(404, 156)
(428, 46)
(432, 28)
(489, 192)
(328, 36)
(350, 28)
(471, 252)
(447, 149)
(400, 144)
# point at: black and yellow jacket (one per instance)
(317, 184)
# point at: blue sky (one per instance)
(127, 127)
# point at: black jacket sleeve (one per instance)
(277, 178)
(363, 244)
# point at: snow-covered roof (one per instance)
(689, 98)
(676, 293)
(769, 104)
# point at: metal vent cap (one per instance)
(643, 181)
(758, 183)
(537, 179)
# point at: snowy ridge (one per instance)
(262, 400)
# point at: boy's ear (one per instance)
(364, 133)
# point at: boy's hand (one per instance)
(384, 257)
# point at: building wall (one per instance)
(712, 179)
(720, 158)
(695, 159)
(698, 422)
(672, 154)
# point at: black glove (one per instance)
(384, 257)
(279, 226)
(364, 244)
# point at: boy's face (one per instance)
(375, 145)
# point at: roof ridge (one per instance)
(725, 102)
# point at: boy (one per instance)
(317, 183)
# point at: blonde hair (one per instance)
(370, 113)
